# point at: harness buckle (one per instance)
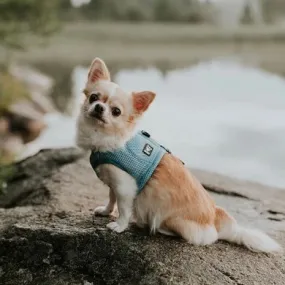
(146, 134)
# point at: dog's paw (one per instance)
(101, 211)
(114, 226)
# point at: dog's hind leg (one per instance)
(191, 231)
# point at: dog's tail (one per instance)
(255, 240)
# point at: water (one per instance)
(220, 116)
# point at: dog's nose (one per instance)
(99, 109)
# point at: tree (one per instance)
(19, 18)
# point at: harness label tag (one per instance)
(147, 149)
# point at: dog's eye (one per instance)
(93, 97)
(116, 112)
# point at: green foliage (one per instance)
(192, 11)
(11, 90)
(21, 21)
(247, 17)
(21, 17)
(136, 10)
(178, 11)
(273, 9)
(6, 171)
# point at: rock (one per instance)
(49, 234)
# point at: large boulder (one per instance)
(49, 235)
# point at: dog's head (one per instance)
(108, 110)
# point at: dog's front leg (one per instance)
(107, 209)
(125, 206)
(125, 193)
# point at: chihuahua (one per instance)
(144, 178)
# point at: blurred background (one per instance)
(217, 67)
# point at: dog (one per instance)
(144, 178)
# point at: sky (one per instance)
(77, 3)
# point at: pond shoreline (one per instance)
(161, 44)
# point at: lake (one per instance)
(220, 115)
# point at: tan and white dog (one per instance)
(172, 202)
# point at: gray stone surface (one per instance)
(49, 235)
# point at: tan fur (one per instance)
(174, 192)
(85, 91)
(221, 218)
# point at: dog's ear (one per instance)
(98, 71)
(142, 100)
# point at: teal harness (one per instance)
(139, 157)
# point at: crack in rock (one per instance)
(222, 191)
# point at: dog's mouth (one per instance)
(98, 118)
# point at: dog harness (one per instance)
(139, 158)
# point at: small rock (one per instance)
(61, 214)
